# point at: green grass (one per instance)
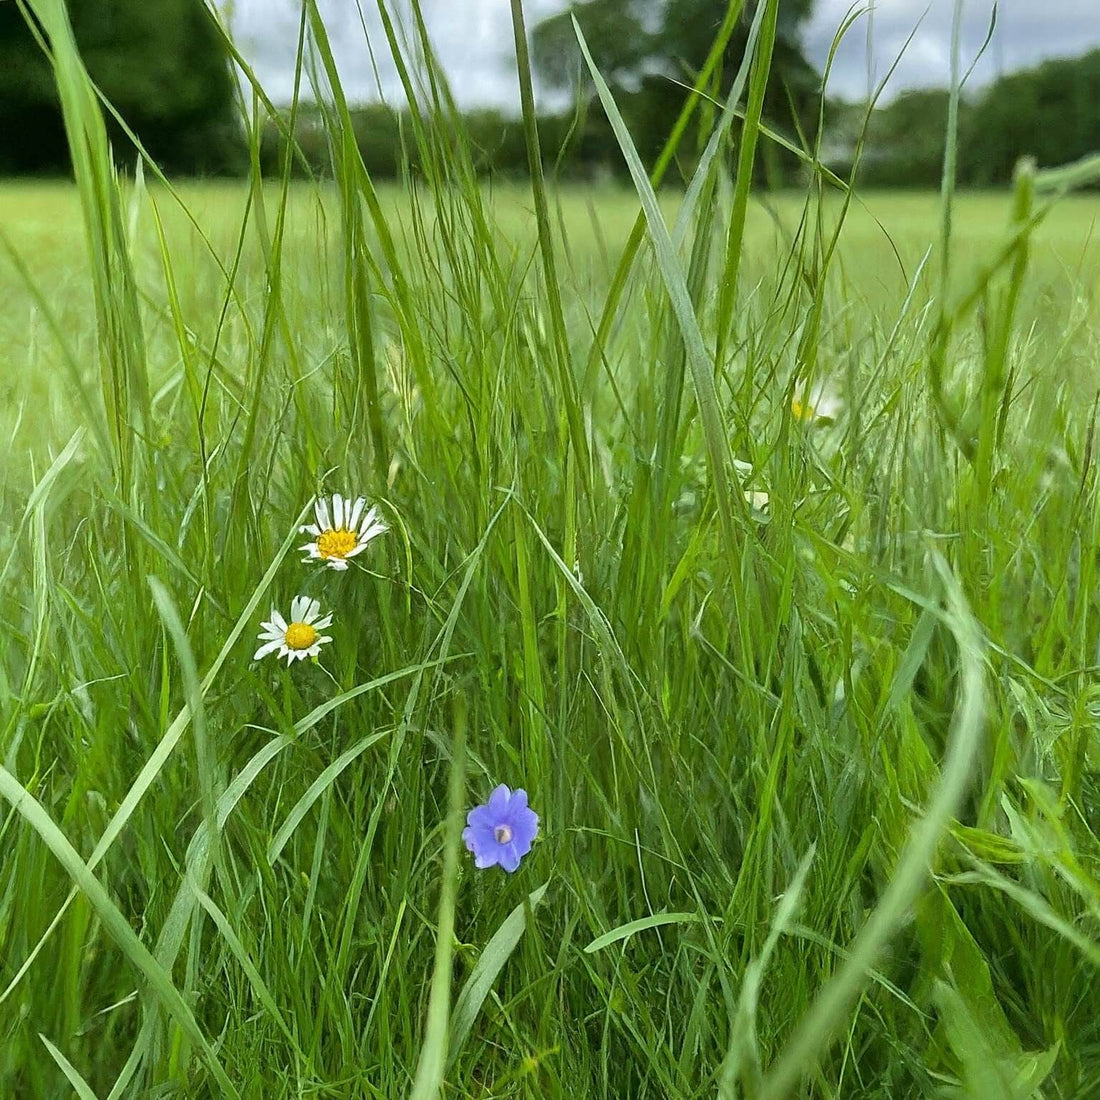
(818, 786)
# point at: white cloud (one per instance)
(1026, 32)
(473, 39)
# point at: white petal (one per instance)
(356, 512)
(309, 529)
(322, 624)
(312, 610)
(358, 548)
(373, 530)
(370, 520)
(321, 641)
(337, 511)
(264, 650)
(279, 621)
(337, 564)
(298, 608)
(322, 514)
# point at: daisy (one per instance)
(298, 639)
(817, 402)
(757, 499)
(342, 530)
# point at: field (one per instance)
(773, 582)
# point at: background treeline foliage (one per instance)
(164, 67)
(162, 64)
(650, 51)
(1051, 112)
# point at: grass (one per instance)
(817, 785)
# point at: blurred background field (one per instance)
(885, 236)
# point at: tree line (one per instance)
(164, 66)
(1050, 112)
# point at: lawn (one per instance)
(778, 597)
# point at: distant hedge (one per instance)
(1051, 113)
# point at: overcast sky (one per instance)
(473, 40)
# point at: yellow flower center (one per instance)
(300, 636)
(802, 411)
(336, 544)
(503, 834)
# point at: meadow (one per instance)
(755, 538)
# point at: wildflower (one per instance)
(756, 499)
(817, 402)
(502, 830)
(298, 639)
(341, 531)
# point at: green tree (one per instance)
(906, 140)
(161, 63)
(1051, 113)
(648, 49)
(616, 34)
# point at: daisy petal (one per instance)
(264, 650)
(337, 511)
(376, 528)
(356, 512)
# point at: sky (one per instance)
(473, 40)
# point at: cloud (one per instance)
(473, 40)
(1026, 32)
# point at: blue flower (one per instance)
(501, 831)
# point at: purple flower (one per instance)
(501, 831)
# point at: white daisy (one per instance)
(298, 639)
(757, 499)
(342, 530)
(816, 402)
